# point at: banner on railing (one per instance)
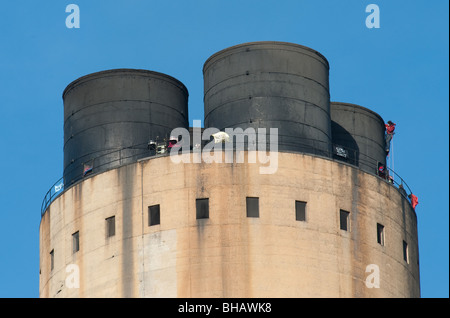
(340, 151)
(59, 187)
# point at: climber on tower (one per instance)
(390, 127)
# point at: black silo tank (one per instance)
(271, 85)
(361, 132)
(110, 116)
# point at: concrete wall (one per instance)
(229, 254)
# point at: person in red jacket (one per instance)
(414, 200)
(390, 127)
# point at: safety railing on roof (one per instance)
(59, 186)
(56, 189)
(94, 158)
(338, 153)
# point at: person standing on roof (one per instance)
(390, 127)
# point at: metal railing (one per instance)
(337, 153)
(59, 186)
(56, 189)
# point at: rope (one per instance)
(392, 156)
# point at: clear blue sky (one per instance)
(399, 70)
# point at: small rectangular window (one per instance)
(252, 207)
(380, 234)
(153, 215)
(202, 208)
(52, 259)
(111, 226)
(405, 252)
(75, 242)
(300, 211)
(344, 220)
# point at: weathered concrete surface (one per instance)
(230, 255)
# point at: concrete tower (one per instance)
(133, 221)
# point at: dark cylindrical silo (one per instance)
(271, 85)
(359, 132)
(110, 116)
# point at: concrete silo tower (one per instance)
(133, 222)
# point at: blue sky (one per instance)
(399, 70)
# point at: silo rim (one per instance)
(357, 106)
(121, 70)
(266, 42)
